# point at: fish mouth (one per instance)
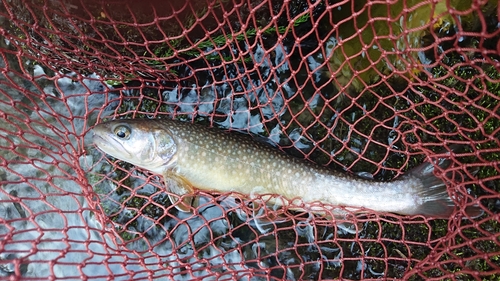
(109, 146)
(98, 140)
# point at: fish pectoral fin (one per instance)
(180, 187)
(184, 205)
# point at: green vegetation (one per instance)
(382, 130)
(460, 104)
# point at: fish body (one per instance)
(190, 155)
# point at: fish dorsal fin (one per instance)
(182, 188)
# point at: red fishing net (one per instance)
(371, 87)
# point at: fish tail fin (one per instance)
(436, 200)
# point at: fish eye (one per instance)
(122, 132)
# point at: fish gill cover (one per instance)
(371, 87)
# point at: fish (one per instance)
(191, 156)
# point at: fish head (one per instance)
(144, 144)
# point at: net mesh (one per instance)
(371, 87)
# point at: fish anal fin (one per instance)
(182, 188)
(474, 211)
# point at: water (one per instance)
(226, 237)
(44, 212)
(61, 201)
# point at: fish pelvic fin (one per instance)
(436, 202)
(183, 189)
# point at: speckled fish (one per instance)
(191, 156)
